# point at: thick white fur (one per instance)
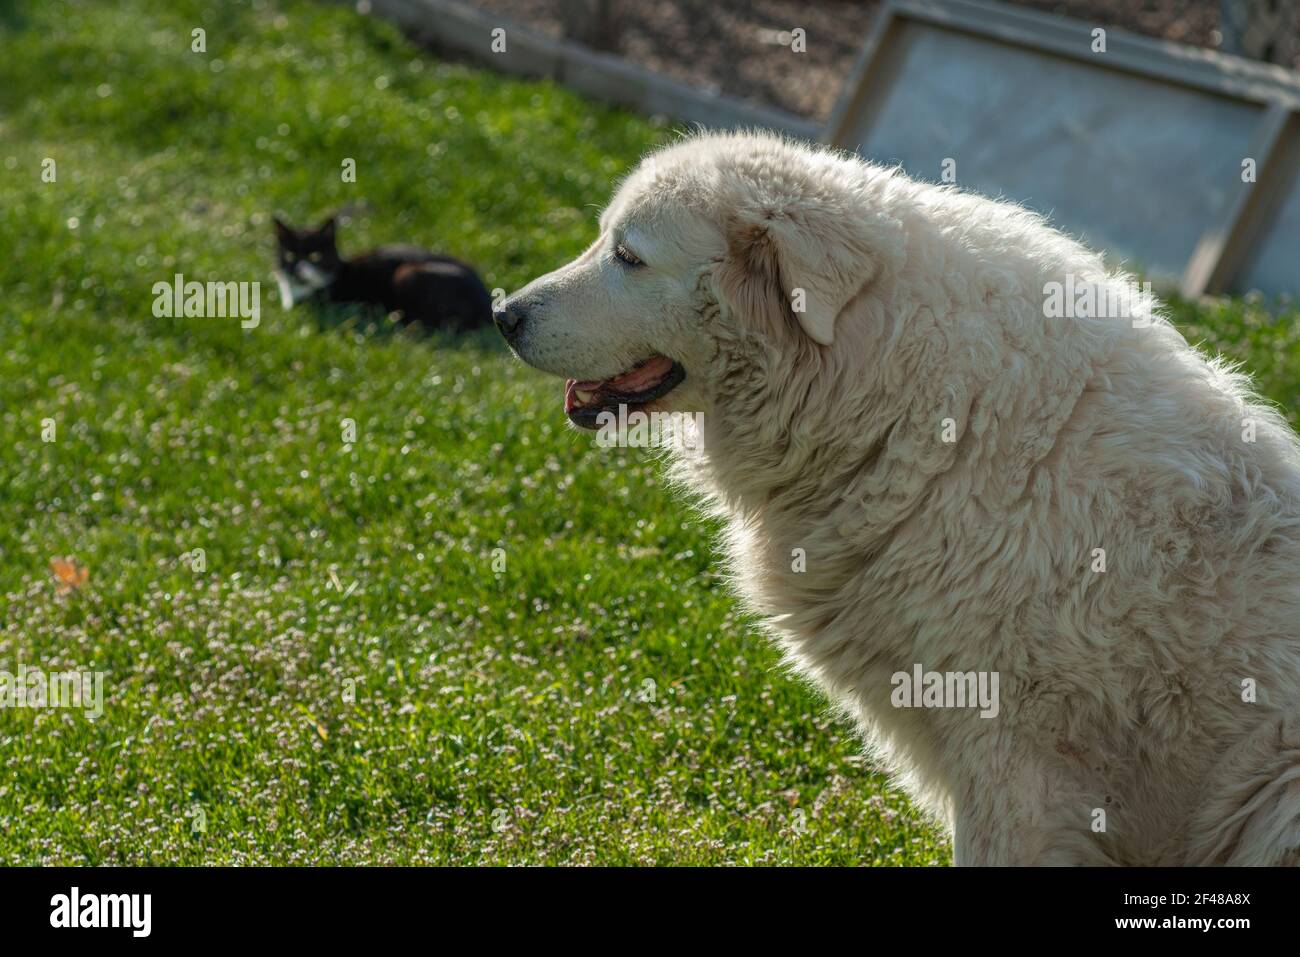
(1121, 690)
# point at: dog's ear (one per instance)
(794, 267)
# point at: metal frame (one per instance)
(1221, 250)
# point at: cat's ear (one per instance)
(326, 230)
(282, 229)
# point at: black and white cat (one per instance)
(436, 292)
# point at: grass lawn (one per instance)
(468, 637)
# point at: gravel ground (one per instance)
(734, 46)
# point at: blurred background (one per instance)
(735, 47)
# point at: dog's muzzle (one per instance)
(509, 319)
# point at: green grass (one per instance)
(500, 714)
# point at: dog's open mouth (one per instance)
(638, 387)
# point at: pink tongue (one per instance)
(642, 377)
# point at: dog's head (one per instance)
(714, 249)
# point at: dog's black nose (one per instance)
(508, 318)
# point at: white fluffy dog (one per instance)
(930, 469)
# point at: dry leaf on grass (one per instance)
(68, 574)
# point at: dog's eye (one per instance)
(626, 255)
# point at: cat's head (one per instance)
(307, 261)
